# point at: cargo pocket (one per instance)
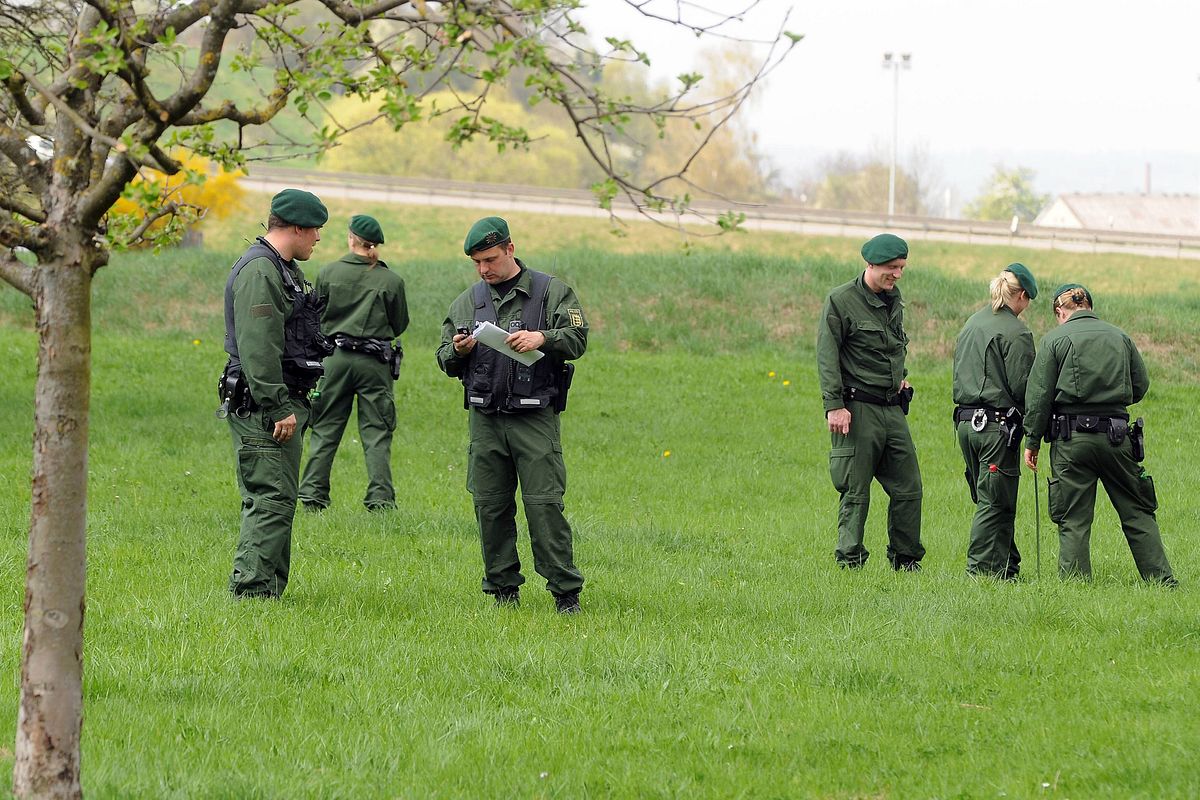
(841, 460)
(1146, 492)
(1054, 501)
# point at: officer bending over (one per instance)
(1086, 374)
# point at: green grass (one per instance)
(720, 654)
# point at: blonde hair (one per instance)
(371, 248)
(1073, 299)
(1004, 288)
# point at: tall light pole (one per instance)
(895, 65)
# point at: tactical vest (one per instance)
(303, 343)
(493, 382)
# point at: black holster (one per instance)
(233, 392)
(1011, 425)
(564, 378)
(1137, 433)
(904, 398)
(395, 356)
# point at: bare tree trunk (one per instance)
(50, 718)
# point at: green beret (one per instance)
(487, 232)
(298, 207)
(1066, 287)
(366, 228)
(883, 248)
(1025, 278)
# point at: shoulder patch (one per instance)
(263, 310)
(576, 315)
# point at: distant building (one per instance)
(1171, 214)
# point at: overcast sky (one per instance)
(1087, 92)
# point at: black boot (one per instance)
(508, 596)
(567, 603)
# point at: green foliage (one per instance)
(1008, 193)
(720, 653)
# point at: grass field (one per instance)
(719, 654)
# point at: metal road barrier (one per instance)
(767, 216)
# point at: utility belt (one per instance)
(1116, 426)
(381, 349)
(1010, 420)
(901, 398)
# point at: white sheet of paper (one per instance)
(493, 337)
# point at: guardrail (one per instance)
(772, 216)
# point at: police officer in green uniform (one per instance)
(272, 338)
(365, 309)
(861, 347)
(992, 358)
(514, 410)
(1086, 375)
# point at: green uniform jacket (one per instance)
(566, 330)
(1084, 366)
(261, 307)
(364, 301)
(992, 358)
(860, 343)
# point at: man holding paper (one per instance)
(515, 382)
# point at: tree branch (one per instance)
(16, 89)
(33, 172)
(20, 276)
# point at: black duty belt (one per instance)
(969, 414)
(863, 396)
(1090, 423)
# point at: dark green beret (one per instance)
(883, 248)
(366, 228)
(1066, 287)
(488, 232)
(1024, 277)
(298, 207)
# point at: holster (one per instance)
(565, 376)
(1136, 438)
(1011, 425)
(904, 398)
(233, 392)
(395, 356)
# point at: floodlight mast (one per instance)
(890, 61)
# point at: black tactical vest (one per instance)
(493, 382)
(303, 343)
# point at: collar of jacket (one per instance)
(355, 258)
(872, 297)
(1083, 313)
(522, 284)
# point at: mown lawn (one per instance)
(720, 654)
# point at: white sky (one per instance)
(1084, 91)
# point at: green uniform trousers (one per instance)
(350, 375)
(993, 474)
(506, 449)
(267, 472)
(1077, 464)
(878, 446)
